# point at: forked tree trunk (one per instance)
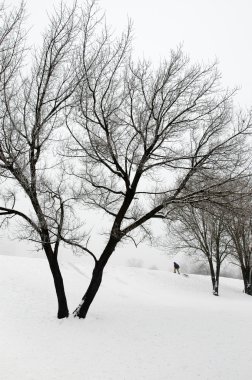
(63, 311)
(96, 279)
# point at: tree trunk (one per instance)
(58, 283)
(244, 277)
(246, 274)
(90, 294)
(212, 273)
(96, 279)
(250, 282)
(214, 276)
(217, 277)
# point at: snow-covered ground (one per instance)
(143, 324)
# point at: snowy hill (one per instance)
(143, 324)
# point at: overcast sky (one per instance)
(208, 30)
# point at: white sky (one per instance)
(208, 30)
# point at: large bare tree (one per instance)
(36, 89)
(146, 136)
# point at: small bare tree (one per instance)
(145, 136)
(239, 226)
(203, 231)
(33, 104)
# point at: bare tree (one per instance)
(34, 99)
(145, 137)
(239, 226)
(203, 231)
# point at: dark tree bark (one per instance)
(246, 275)
(63, 311)
(249, 287)
(217, 277)
(211, 267)
(96, 280)
(215, 274)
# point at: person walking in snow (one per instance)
(176, 268)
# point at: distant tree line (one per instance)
(85, 126)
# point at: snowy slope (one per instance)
(143, 324)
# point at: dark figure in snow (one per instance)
(176, 268)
